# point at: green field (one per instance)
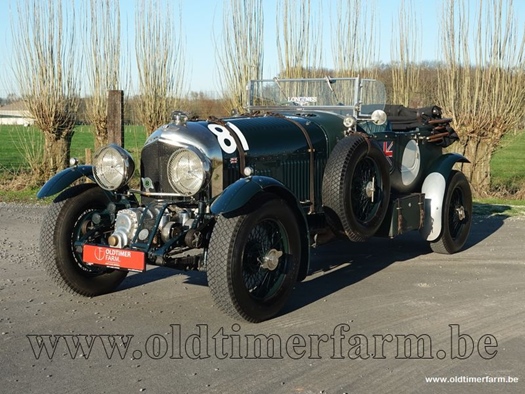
(17, 142)
(507, 167)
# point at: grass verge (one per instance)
(497, 206)
(507, 167)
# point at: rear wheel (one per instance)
(68, 219)
(253, 261)
(457, 215)
(356, 188)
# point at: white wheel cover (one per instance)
(410, 163)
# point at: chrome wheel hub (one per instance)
(460, 211)
(271, 260)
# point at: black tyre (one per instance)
(356, 188)
(67, 219)
(457, 215)
(253, 261)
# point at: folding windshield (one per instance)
(349, 95)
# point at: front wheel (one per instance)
(457, 215)
(68, 219)
(253, 261)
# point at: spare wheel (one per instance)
(356, 188)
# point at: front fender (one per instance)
(239, 193)
(434, 187)
(63, 179)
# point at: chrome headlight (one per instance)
(349, 121)
(187, 171)
(378, 117)
(113, 167)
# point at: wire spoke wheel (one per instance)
(356, 188)
(253, 260)
(83, 226)
(69, 220)
(457, 214)
(366, 183)
(262, 271)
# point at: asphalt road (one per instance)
(378, 317)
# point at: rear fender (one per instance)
(64, 179)
(434, 188)
(236, 198)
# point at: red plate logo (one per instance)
(127, 259)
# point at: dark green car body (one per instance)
(244, 198)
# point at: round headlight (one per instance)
(349, 121)
(187, 172)
(113, 167)
(378, 117)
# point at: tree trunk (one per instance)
(56, 154)
(479, 152)
(101, 138)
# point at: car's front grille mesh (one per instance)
(296, 176)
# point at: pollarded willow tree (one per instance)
(240, 54)
(405, 49)
(299, 35)
(102, 63)
(46, 67)
(482, 80)
(160, 62)
(355, 44)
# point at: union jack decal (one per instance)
(388, 148)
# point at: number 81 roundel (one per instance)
(225, 138)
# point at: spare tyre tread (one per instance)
(337, 182)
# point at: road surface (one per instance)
(377, 317)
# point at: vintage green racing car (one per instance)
(244, 198)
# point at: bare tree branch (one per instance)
(240, 54)
(46, 65)
(355, 47)
(298, 36)
(481, 84)
(103, 62)
(160, 62)
(406, 57)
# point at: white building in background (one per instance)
(16, 114)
